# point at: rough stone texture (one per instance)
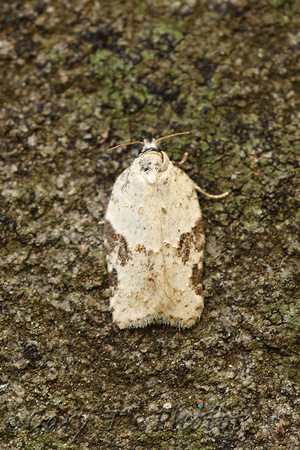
(77, 78)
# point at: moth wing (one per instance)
(134, 253)
(183, 243)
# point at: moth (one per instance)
(154, 243)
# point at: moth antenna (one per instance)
(125, 144)
(171, 135)
(209, 195)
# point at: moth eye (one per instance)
(157, 167)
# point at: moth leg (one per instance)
(209, 195)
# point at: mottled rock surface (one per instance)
(77, 78)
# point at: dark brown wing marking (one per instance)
(113, 240)
(192, 240)
(196, 279)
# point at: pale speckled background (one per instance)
(77, 78)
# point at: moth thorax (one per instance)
(153, 163)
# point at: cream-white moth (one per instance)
(153, 240)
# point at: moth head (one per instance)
(152, 162)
